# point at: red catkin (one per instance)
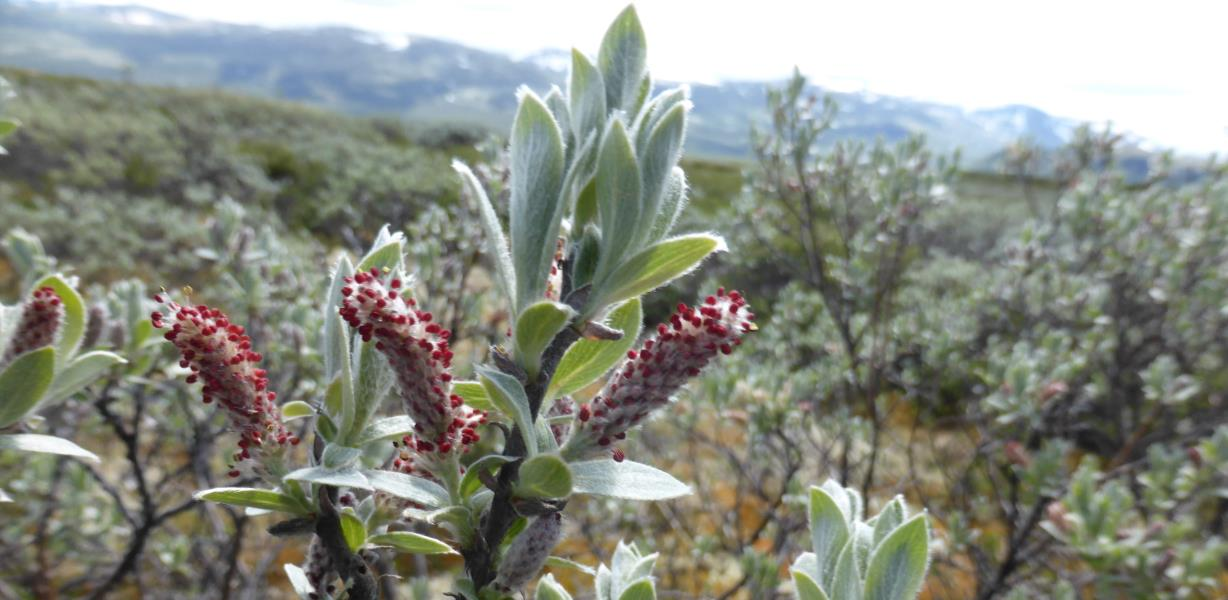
(649, 376)
(418, 351)
(40, 319)
(220, 355)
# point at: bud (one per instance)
(95, 323)
(319, 570)
(1017, 454)
(417, 350)
(1195, 456)
(220, 355)
(40, 320)
(528, 552)
(649, 376)
(1056, 514)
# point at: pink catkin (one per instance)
(646, 380)
(220, 355)
(417, 350)
(40, 320)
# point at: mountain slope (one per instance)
(427, 79)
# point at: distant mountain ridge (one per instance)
(420, 78)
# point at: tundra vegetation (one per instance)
(259, 350)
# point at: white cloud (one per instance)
(1151, 68)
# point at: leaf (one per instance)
(588, 360)
(496, 243)
(423, 491)
(640, 590)
(298, 580)
(829, 530)
(846, 580)
(536, 328)
(544, 476)
(559, 110)
(897, 567)
(45, 444)
(23, 383)
(661, 263)
(73, 326)
(549, 589)
(375, 381)
(559, 562)
(387, 428)
(296, 409)
(387, 256)
(354, 531)
(658, 161)
(586, 92)
(888, 519)
(508, 397)
(411, 543)
(473, 394)
(536, 203)
(470, 482)
(8, 125)
(82, 371)
(673, 201)
(252, 498)
(622, 59)
(627, 480)
(5, 497)
(619, 202)
(334, 477)
(806, 587)
(335, 340)
(340, 457)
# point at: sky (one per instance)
(1154, 69)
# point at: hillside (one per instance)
(425, 79)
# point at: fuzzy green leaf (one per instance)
(622, 60)
(423, 491)
(82, 371)
(806, 587)
(349, 477)
(508, 397)
(536, 203)
(888, 519)
(898, 565)
(549, 589)
(496, 242)
(387, 428)
(252, 498)
(45, 444)
(627, 480)
(335, 340)
(673, 201)
(473, 394)
(544, 476)
(296, 409)
(24, 382)
(829, 530)
(536, 328)
(586, 92)
(619, 200)
(657, 163)
(470, 482)
(656, 266)
(387, 256)
(409, 542)
(588, 360)
(354, 531)
(642, 589)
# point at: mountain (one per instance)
(424, 79)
